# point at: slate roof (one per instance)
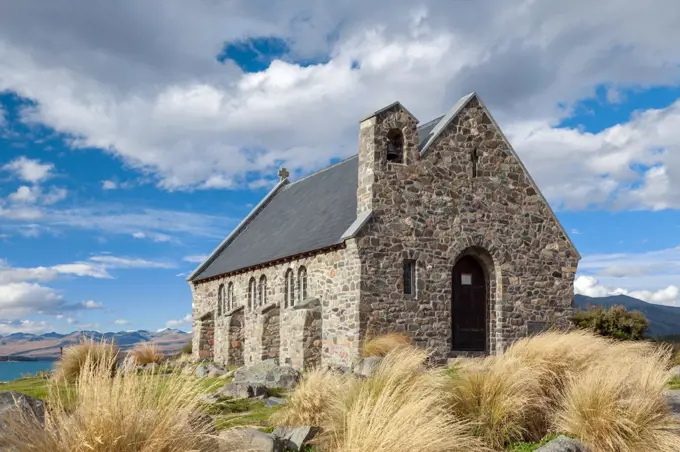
(309, 214)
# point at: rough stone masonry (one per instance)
(423, 198)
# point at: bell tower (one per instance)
(388, 139)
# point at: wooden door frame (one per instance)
(487, 302)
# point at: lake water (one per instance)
(16, 369)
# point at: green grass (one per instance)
(674, 383)
(244, 412)
(530, 447)
(33, 386)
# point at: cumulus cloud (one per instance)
(186, 320)
(29, 170)
(196, 259)
(109, 185)
(23, 326)
(158, 98)
(591, 287)
(155, 237)
(121, 322)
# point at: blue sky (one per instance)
(125, 156)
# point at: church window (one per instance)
(302, 283)
(251, 293)
(409, 277)
(475, 158)
(262, 292)
(220, 300)
(230, 297)
(289, 290)
(395, 146)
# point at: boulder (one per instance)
(674, 402)
(563, 444)
(242, 390)
(268, 373)
(251, 440)
(674, 372)
(215, 370)
(201, 371)
(366, 366)
(294, 438)
(15, 403)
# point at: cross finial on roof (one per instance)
(283, 173)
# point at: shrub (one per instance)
(382, 345)
(73, 360)
(615, 322)
(146, 353)
(620, 405)
(187, 348)
(122, 413)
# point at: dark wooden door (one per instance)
(468, 306)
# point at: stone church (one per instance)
(435, 230)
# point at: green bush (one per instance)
(187, 348)
(615, 322)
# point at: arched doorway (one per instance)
(469, 306)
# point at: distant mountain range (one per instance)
(663, 320)
(46, 346)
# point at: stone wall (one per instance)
(332, 278)
(434, 211)
(206, 337)
(271, 333)
(236, 338)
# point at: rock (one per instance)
(201, 371)
(674, 402)
(214, 370)
(209, 398)
(563, 444)
(254, 380)
(242, 390)
(674, 372)
(295, 438)
(251, 440)
(273, 401)
(366, 366)
(15, 403)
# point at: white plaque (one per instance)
(466, 279)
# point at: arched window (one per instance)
(289, 290)
(251, 293)
(395, 146)
(302, 284)
(220, 300)
(230, 297)
(262, 293)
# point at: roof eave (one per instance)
(358, 224)
(237, 229)
(393, 104)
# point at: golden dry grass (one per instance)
(97, 353)
(567, 383)
(620, 405)
(147, 353)
(126, 412)
(382, 345)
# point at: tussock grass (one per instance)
(620, 406)
(382, 345)
(310, 403)
(121, 413)
(146, 353)
(94, 353)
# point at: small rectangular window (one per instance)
(466, 279)
(409, 277)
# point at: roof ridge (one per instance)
(323, 169)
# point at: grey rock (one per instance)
(563, 444)
(209, 398)
(214, 370)
(273, 401)
(674, 372)
(252, 440)
(294, 438)
(15, 403)
(366, 366)
(268, 374)
(674, 401)
(242, 390)
(201, 371)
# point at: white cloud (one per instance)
(156, 237)
(121, 322)
(23, 326)
(18, 300)
(196, 259)
(127, 262)
(109, 185)
(91, 304)
(3, 117)
(29, 170)
(186, 320)
(25, 194)
(590, 286)
(166, 106)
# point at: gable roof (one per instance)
(315, 212)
